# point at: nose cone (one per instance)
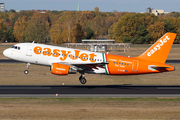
(6, 53)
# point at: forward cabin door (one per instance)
(135, 65)
(29, 50)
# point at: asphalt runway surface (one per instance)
(14, 61)
(89, 91)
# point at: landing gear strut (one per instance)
(26, 71)
(82, 79)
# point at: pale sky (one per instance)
(104, 5)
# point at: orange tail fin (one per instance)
(159, 51)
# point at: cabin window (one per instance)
(18, 48)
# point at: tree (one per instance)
(56, 33)
(89, 33)
(38, 28)
(2, 23)
(68, 27)
(1, 34)
(110, 20)
(19, 28)
(156, 30)
(98, 25)
(8, 36)
(78, 33)
(128, 26)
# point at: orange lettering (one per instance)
(92, 57)
(64, 54)
(55, 53)
(76, 55)
(37, 50)
(84, 55)
(47, 52)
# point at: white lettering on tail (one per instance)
(158, 46)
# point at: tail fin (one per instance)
(159, 51)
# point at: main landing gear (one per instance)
(26, 71)
(82, 79)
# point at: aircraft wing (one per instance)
(90, 66)
(85, 66)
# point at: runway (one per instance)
(89, 91)
(14, 61)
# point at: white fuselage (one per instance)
(47, 54)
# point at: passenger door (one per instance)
(29, 50)
(135, 65)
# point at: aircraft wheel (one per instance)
(26, 72)
(83, 81)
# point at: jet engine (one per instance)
(60, 69)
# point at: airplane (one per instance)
(64, 61)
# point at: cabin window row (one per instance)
(120, 63)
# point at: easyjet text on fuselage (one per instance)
(64, 54)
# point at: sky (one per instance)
(104, 5)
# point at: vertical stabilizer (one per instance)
(159, 51)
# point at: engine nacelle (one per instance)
(60, 69)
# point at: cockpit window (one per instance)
(16, 47)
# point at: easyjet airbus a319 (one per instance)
(64, 61)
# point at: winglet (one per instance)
(159, 51)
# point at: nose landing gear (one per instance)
(26, 71)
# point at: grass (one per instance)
(13, 74)
(89, 108)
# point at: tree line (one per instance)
(60, 27)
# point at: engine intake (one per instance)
(60, 69)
